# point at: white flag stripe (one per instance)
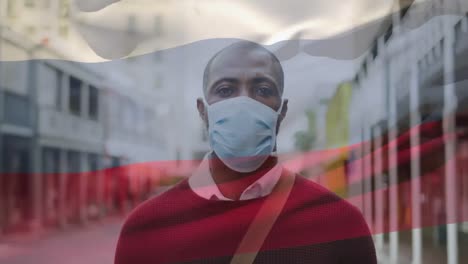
(122, 28)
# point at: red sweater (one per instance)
(315, 226)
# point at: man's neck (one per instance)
(232, 183)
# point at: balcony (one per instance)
(59, 125)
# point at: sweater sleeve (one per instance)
(120, 251)
(359, 249)
(132, 245)
(123, 252)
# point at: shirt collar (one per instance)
(202, 183)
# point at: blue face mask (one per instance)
(242, 132)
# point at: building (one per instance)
(64, 125)
(16, 133)
(337, 136)
(60, 104)
(413, 77)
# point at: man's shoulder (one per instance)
(332, 217)
(317, 196)
(313, 190)
(157, 206)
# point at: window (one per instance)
(364, 68)
(374, 50)
(115, 162)
(388, 34)
(50, 160)
(15, 158)
(75, 96)
(93, 161)
(53, 77)
(458, 30)
(93, 102)
(73, 161)
(16, 109)
(58, 89)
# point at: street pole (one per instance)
(2, 103)
(378, 188)
(393, 133)
(450, 105)
(392, 158)
(367, 176)
(393, 178)
(35, 174)
(415, 120)
(378, 156)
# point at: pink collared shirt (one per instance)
(202, 183)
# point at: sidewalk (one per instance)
(93, 243)
(431, 253)
(429, 256)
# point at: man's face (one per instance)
(237, 73)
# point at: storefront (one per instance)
(15, 186)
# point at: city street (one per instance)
(94, 243)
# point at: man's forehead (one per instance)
(242, 64)
(242, 56)
(243, 60)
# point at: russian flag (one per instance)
(98, 99)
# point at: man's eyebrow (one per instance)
(261, 79)
(267, 79)
(225, 79)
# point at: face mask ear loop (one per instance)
(205, 104)
(275, 148)
(281, 107)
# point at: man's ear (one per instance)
(282, 114)
(202, 111)
(284, 110)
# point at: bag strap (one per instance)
(264, 220)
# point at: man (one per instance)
(241, 206)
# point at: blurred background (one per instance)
(98, 113)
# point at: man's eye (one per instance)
(225, 91)
(264, 91)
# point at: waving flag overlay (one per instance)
(98, 109)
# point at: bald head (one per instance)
(244, 69)
(247, 56)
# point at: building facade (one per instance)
(412, 83)
(71, 132)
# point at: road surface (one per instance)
(93, 243)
